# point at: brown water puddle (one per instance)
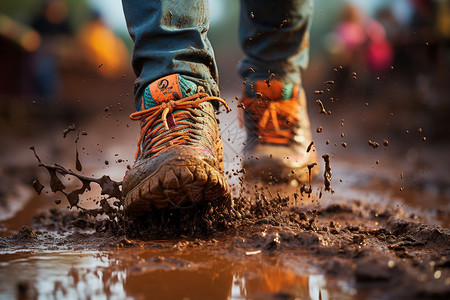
(159, 270)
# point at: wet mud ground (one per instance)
(382, 234)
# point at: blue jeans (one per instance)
(170, 36)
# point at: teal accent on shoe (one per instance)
(148, 99)
(288, 89)
(187, 88)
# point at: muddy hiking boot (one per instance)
(179, 159)
(278, 132)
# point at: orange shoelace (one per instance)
(274, 119)
(155, 137)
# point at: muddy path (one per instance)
(381, 234)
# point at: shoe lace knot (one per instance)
(170, 123)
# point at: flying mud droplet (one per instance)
(344, 144)
(304, 189)
(68, 129)
(385, 143)
(319, 129)
(309, 146)
(38, 187)
(373, 144)
(329, 82)
(268, 80)
(322, 108)
(327, 173)
(78, 165)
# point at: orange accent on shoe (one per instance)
(160, 135)
(274, 117)
(164, 89)
(272, 91)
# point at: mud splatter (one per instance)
(309, 146)
(322, 108)
(38, 187)
(304, 188)
(108, 186)
(268, 80)
(68, 129)
(327, 173)
(373, 144)
(78, 165)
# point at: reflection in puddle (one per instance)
(161, 273)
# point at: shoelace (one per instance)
(280, 113)
(179, 129)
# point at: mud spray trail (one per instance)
(346, 234)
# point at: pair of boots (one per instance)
(179, 158)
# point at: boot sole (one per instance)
(177, 183)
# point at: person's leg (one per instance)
(170, 37)
(275, 38)
(179, 160)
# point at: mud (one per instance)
(327, 173)
(379, 251)
(382, 251)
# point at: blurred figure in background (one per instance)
(102, 48)
(359, 44)
(52, 24)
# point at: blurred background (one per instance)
(68, 62)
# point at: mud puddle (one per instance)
(162, 271)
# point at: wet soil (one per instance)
(377, 251)
(382, 234)
(269, 241)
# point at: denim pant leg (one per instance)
(171, 37)
(275, 38)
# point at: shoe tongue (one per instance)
(171, 87)
(274, 90)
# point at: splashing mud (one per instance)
(327, 173)
(109, 187)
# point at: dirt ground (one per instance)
(383, 233)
